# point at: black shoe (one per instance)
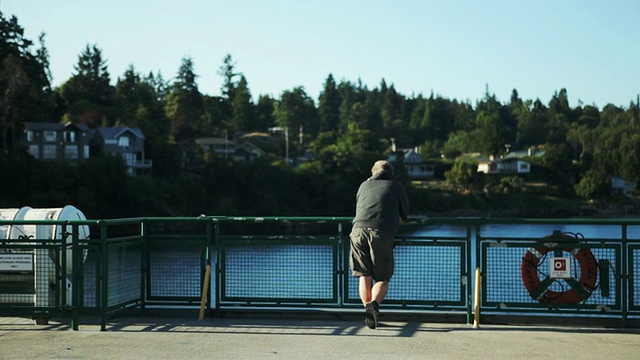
(371, 309)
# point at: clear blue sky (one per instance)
(451, 48)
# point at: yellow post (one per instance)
(476, 316)
(205, 291)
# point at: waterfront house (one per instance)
(416, 167)
(244, 151)
(126, 142)
(67, 142)
(508, 165)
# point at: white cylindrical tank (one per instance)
(56, 231)
(12, 231)
(46, 261)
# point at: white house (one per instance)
(417, 168)
(503, 166)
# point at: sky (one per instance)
(453, 49)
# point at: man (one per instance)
(381, 203)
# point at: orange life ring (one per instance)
(580, 290)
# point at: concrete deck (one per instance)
(241, 338)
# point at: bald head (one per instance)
(382, 165)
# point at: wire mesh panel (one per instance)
(278, 271)
(522, 275)
(89, 275)
(426, 273)
(17, 277)
(634, 270)
(125, 273)
(175, 269)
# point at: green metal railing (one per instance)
(283, 263)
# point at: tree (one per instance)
(531, 125)
(297, 113)
(593, 184)
(390, 109)
(227, 71)
(329, 106)
(559, 118)
(438, 120)
(462, 174)
(24, 82)
(88, 94)
(265, 112)
(244, 114)
(496, 125)
(185, 107)
(143, 107)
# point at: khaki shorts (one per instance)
(371, 254)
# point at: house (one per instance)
(530, 152)
(67, 142)
(220, 146)
(247, 151)
(416, 167)
(244, 151)
(509, 165)
(620, 186)
(126, 142)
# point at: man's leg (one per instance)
(364, 289)
(379, 291)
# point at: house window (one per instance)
(123, 141)
(34, 150)
(50, 136)
(86, 152)
(70, 152)
(29, 135)
(49, 152)
(69, 136)
(129, 158)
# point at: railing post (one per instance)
(144, 256)
(104, 277)
(624, 276)
(214, 241)
(76, 259)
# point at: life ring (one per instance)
(580, 290)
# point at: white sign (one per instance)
(16, 262)
(560, 268)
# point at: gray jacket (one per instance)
(380, 203)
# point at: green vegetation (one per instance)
(349, 128)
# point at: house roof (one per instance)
(116, 132)
(214, 141)
(250, 148)
(486, 160)
(54, 126)
(525, 153)
(407, 156)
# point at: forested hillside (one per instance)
(347, 128)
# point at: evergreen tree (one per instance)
(329, 106)
(265, 113)
(296, 113)
(142, 107)
(244, 114)
(24, 82)
(227, 71)
(185, 107)
(88, 94)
